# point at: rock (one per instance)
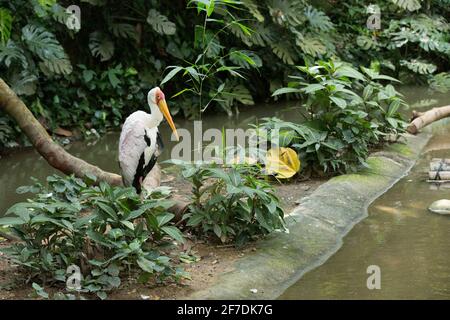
(440, 206)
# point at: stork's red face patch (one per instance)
(160, 96)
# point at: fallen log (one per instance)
(422, 119)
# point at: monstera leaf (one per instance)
(160, 23)
(101, 45)
(410, 5)
(283, 163)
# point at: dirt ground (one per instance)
(213, 260)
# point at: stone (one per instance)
(440, 206)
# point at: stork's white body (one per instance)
(140, 143)
(132, 144)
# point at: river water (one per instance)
(410, 245)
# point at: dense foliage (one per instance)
(105, 231)
(212, 53)
(346, 112)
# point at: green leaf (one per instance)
(174, 233)
(11, 221)
(347, 71)
(341, 103)
(6, 20)
(128, 224)
(108, 210)
(42, 43)
(160, 23)
(171, 74)
(101, 45)
(164, 218)
(146, 265)
(285, 90)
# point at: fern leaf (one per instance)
(160, 23)
(5, 25)
(42, 43)
(101, 45)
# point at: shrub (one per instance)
(340, 124)
(101, 229)
(231, 203)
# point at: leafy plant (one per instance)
(101, 229)
(338, 119)
(231, 204)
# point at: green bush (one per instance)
(231, 203)
(103, 230)
(346, 112)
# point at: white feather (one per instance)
(132, 143)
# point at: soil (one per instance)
(212, 260)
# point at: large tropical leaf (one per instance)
(283, 163)
(419, 66)
(41, 42)
(10, 53)
(23, 83)
(410, 5)
(160, 23)
(284, 52)
(124, 30)
(317, 19)
(101, 45)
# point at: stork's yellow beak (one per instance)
(165, 111)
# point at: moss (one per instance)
(402, 149)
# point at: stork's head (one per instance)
(156, 98)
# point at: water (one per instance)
(410, 244)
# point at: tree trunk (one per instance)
(421, 120)
(55, 155)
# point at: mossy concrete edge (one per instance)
(316, 227)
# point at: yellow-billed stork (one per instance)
(140, 143)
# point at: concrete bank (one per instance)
(316, 227)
